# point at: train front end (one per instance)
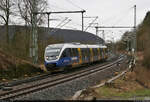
(52, 55)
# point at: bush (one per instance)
(146, 60)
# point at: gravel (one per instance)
(66, 90)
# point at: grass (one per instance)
(125, 88)
(107, 92)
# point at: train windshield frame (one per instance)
(52, 53)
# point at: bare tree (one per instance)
(26, 10)
(7, 8)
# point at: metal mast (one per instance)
(34, 37)
(60, 12)
(135, 40)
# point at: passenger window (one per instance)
(66, 53)
(71, 52)
(88, 52)
(75, 52)
(83, 52)
(94, 51)
(63, 54)
(101, 51)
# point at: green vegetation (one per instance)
(107, 92)
(143, 39)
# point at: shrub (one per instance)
(146, 60)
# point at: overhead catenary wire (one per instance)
(62, 7)
(54, 6)
(60, 26)
(69, 1)
(61, 23)
(65, 23)
(92, 22)
(122, 18)
(115, 15)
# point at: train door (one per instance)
(75, 56)
(65, 57)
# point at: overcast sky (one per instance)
(109, 12)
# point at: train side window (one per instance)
(64, 54)
(71, 52)
(81, 51)
(98, 51)
(88, 52)
(101, 51)
(94, 51)
(84, 52)
(68, 52)
(75, 52)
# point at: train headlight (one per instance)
(47, 58)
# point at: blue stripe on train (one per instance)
(64, 61)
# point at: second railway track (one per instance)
(56, 81)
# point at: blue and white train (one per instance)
(73, 54)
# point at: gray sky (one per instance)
(110, 13)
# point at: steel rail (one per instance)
(47, 84)
(36, 78)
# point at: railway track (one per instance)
(47, 83)
(44, 76)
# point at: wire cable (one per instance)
(74, 4)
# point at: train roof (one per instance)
(76, 45)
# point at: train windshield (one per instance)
(52, 53)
